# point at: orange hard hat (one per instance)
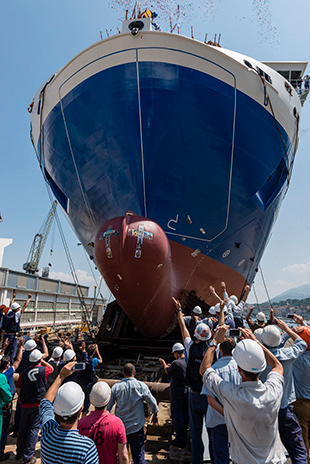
(305, 335)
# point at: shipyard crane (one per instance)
(32, 264)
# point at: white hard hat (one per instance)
(100, 394)
(30, 345)
(197, 310)
(68, 355)
(57, 352)
(261, 317)
(69, 399)
(15, 306)
(177, 347)
(212, 311)
(230, 305)
(249, 356)
(202, 332)
(234, 299)
(218, 308)
(35, 356)
(271, 336)
(258, 334)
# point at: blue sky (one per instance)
(39, 37)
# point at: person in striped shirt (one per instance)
(61, 441)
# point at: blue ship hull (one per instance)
(201, 158)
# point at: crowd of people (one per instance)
(248, 387)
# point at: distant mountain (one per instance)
(298, 293)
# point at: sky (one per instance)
(38, 37)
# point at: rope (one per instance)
(141, 135)
(257, 303)
(261, 271)
(90, 267)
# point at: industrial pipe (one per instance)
(159, 390)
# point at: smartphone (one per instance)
(234, 332)
(290, 316)
(79, 367)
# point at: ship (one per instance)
(170, 158)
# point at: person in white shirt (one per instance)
(251, 408)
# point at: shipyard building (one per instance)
(54, 303)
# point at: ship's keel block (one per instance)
(133, 255)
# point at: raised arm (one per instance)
(26, 304)
(248, 316)
(283, 326)
(246, 292)
(19, 355)
(65, 372)
(222, 315)
(213, 292)
(98, 354)
(12, 300)
(184, 331)
(45, 350)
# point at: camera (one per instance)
(234, 333)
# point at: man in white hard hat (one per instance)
(197, 403)
(192, 320)
(178, 394)
(288, 423)
(29, 346)
(260, 322)
(234, 306)
(251, 408)
(31, 388)
(107, 430)
(130, 395)
(11, 325)
(54, 361)
(226, 367)
(61, 441)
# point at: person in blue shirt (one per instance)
(226, 367)
(130, 395)
(289, 427)
(59, 414)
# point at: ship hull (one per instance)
(177, 132)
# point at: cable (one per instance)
(261, 271)
(257, 303)
(71, 265)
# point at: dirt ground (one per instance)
(157, 443)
